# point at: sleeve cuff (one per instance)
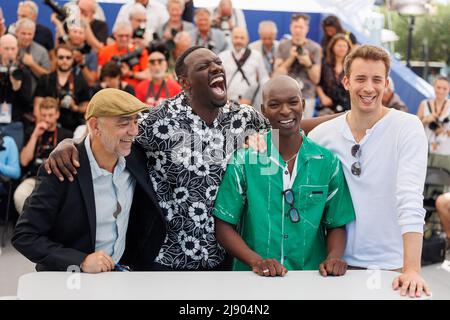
(417, 228)
(222, 215)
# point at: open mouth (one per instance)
(288, 123)
(367, 99)
(217, 85)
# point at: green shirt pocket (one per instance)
(311, 202)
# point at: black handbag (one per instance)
(433, 250)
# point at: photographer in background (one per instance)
(156, 14)
(435, 116)
(68, 87)
(15, 90)
(205, 36)
(40, 141)
(244, 67)
(110, 77)
(182, 41)
(31, 54)
(43, 35)
(85, 59)
(161, 87)
(267, 44)
(133, 61)
(96, 30)
(226, 18)
(81, 14)
(138, 20)
(175, 24)
(300, 58)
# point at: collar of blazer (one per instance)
(136, 164)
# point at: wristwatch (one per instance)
(81, 65)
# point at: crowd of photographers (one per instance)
(47, 78)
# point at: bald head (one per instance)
(283, 105)
(8, 39)
(277, 85)
(225, 8)
(87, 7)
(239, 38)
(183, 41)
(9, 48)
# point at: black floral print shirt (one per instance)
(186, 162)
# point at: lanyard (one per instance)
(151, 90)
(70, 81)
(435, 108)
(268, 56)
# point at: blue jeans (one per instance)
(15, 131)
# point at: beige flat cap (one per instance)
(111, 102)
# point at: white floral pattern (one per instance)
(186, 163)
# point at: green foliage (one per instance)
(435, 28)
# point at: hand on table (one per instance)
(333, 267)
(410, 282)
(269, 268)
(97, 262)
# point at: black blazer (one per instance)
(58, 226)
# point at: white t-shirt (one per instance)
(387, 196)
(157, 15)
(253, 69)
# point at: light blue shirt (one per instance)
(111, 191)
(9, 159)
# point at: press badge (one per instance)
(5, 112)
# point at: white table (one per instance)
(296, 285)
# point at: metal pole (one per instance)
(426, 58)
(409, 46)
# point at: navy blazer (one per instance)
(58, 226)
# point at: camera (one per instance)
(436, 124)
(211, 45)
(299, 50)
(131, 58)
(139, 32)
(85, 49)
(61, 12)
(10, 69)
(65, 99)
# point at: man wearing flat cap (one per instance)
(108, 217)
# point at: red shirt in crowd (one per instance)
(106, 53)
(153, 97)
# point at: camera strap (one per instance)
(71, 82)
(269, 57)
(440, 111)
(151, 91)
(239, 63)
(202, 42)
